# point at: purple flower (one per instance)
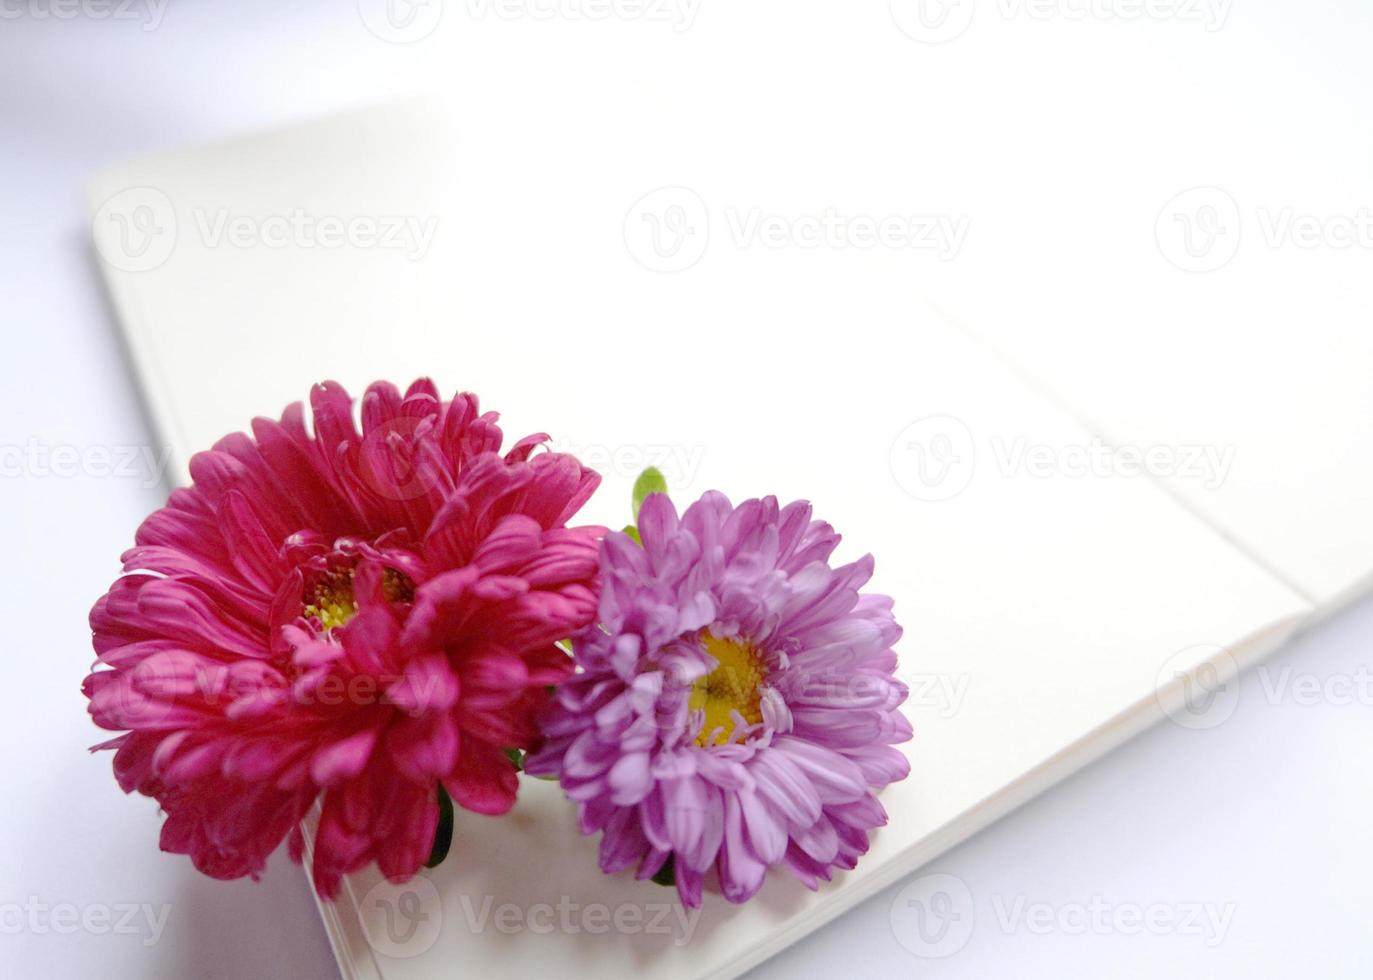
(736, 707)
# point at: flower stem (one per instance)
(443, 833)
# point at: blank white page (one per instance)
(1169, 243)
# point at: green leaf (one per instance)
(667, 874)
(516, 757)
(633, 532)
(649, 481)
(443, 833)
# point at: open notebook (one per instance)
(1053, 604)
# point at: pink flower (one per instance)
(343, 617)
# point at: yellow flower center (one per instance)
(331, 602)
(732, 686)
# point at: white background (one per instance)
(1263, 816)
